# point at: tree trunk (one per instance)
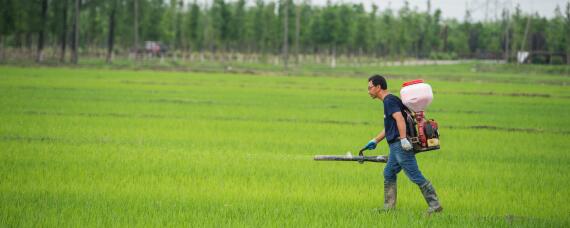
(19, 43)
(64, 33)
(507, 43)
(40, 53)
(136, 28)
(333, 56)
(111, 38)
(286, 35)
(297, 32)
(75, 40)
(28, 41)
(1, 47)
(445, 34)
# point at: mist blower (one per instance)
(423, 134)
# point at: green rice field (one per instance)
(139, 148)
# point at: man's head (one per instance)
(377, 86)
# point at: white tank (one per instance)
(416, 95)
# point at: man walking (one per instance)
(401, 154)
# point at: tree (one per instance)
(193, 25)
(111, 35)
(63, 35)
(237, 25)
(279, 27)
(567, 32)
(220, 21)
(41, 33)
(555, 38)
(258, 31)
(7, 24)
(75, 40)
(136, 26)
(178, 35)
(362, 36)
(506, 23)
(344, 31)
(271, 26)
(286, 34)
(297, 31)
(93, 25)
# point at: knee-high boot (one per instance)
(390, 192)
(431, 197)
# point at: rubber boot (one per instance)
(431, 198)
(390, 192)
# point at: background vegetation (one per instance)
(221, 29)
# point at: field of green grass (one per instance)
(147, 148)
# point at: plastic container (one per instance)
(416, 95)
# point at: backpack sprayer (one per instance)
(422, 133)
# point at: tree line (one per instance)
(278, 27)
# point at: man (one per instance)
(401, 153)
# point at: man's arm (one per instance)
(380, 136)
(406, 145)
(400, 123)
(371, 145)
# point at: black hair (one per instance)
(378, 80)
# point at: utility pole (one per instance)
(526, 32)
(523, 42)
(506, 15)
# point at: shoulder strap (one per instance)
(409, 119)
(405, 110)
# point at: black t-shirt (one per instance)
(392, 104)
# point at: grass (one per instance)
(149, 148)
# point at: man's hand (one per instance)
(371, 145)
(406, 144)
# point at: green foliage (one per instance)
(8, 23)
(220, 20)
(193, 27)
(236, 26)
(442, 56)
